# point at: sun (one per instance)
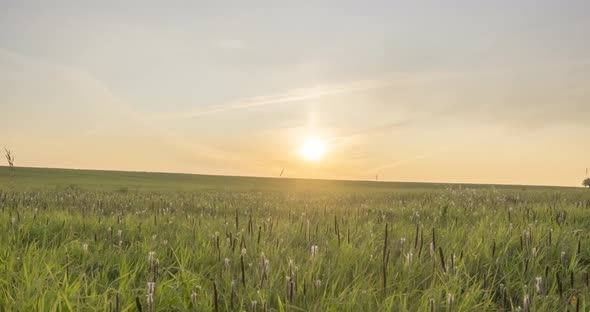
(313, 149)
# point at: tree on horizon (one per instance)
(9, 157)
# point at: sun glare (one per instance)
(313, 149)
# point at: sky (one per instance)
(431, 91)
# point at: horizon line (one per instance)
(296, 178)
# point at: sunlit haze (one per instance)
(313, 149)
(433, 91)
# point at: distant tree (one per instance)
(586, 182)
(9, 157)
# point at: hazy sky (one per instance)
(447, 91)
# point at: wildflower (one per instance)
(243, 251)
(151, 257)
(318, 283)
(85, 247)
(409, 258)
(226, 263)
(314, 251)
(151, 289)
(451, 300)
(194, 295)
(264, 265)
(526, 303)
(538, 284)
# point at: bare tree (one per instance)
(586, 182)
(9, 157)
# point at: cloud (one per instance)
(397, 163)
(56, 105)
(290, 96)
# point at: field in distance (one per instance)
(106, 181)
(127, 241)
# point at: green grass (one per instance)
(61, 247)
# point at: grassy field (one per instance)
(123, 241)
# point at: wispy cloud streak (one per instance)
(291, 96)
(397, 163)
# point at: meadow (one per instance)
(75, 240)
